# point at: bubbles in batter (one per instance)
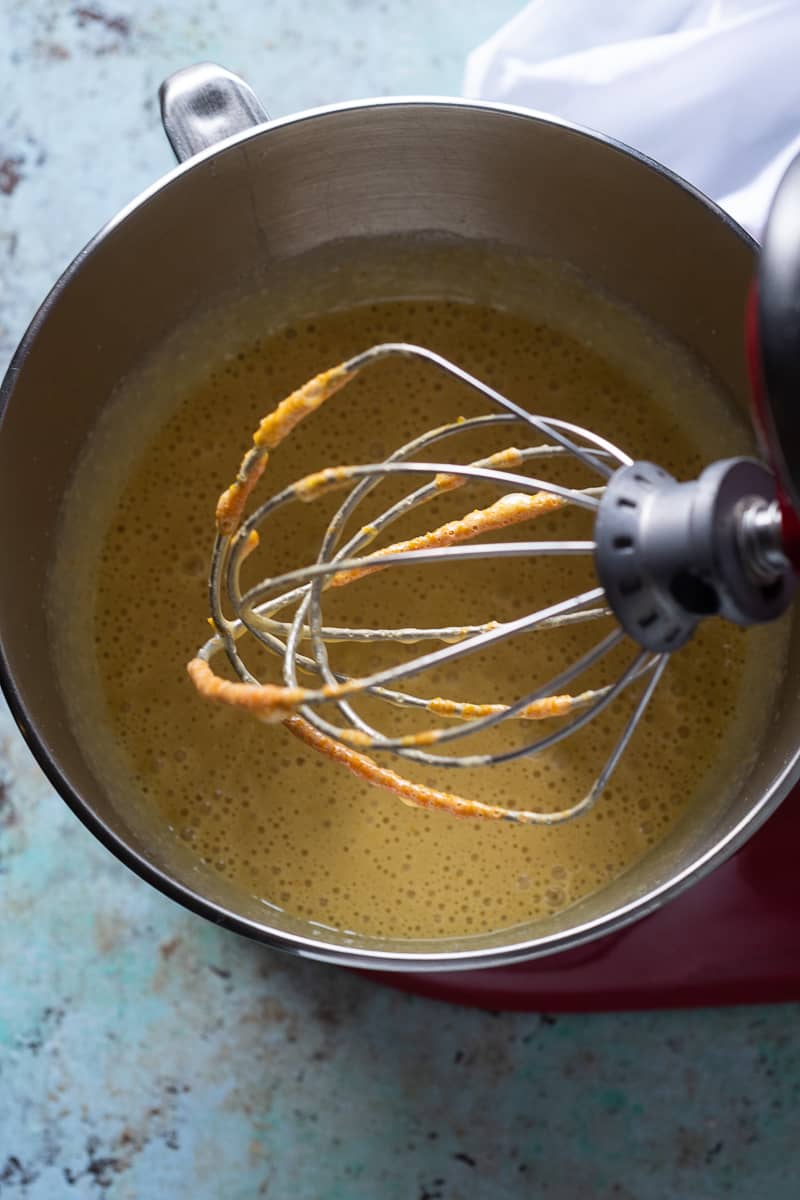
(280, 821)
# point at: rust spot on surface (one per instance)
(222, 972)
(108, 931)
(53, 51)
(8, 813)
(100, 1169)
(326, 1016)
(10, 174)
(272, 1010)
(91, 15)
(168, 948)
(16, 1174)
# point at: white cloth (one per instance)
(710, 88)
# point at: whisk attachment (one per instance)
(665, 555)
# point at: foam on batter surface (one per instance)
(263, 809)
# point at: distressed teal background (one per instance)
(145, 1054)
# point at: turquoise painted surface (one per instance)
(147, 1054)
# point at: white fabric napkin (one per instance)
(710, 88)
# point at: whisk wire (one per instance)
(548, 426)
(341, 561)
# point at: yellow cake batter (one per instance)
(263, 808)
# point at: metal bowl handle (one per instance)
(203, 105)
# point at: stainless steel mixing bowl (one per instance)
(250, 197)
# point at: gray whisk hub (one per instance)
(669, 553)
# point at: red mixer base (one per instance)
(733, 938)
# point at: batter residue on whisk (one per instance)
(267, 811)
